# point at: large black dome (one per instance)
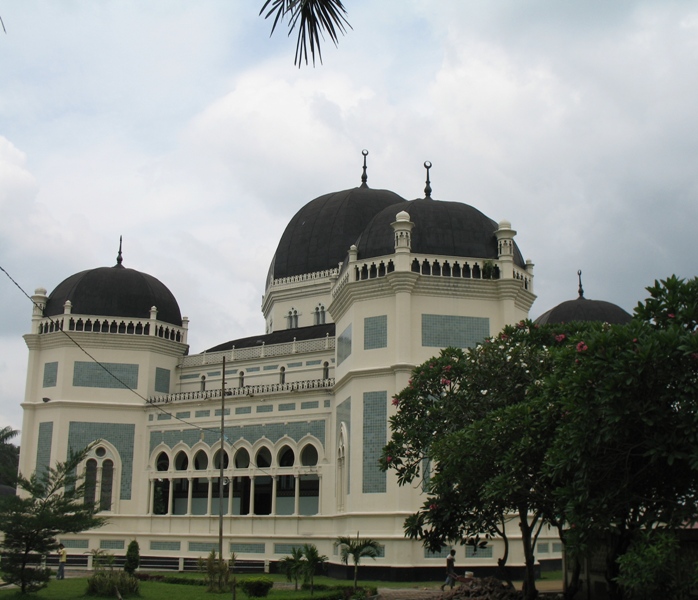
(114, 292)
(320, 234)
(582, 309)
(441, 228)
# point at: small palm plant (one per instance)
(357, 548)
(292, 566)
(313, 560)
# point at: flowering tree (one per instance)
(475, 427)
(624, 458)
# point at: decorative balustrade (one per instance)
(306, 277)
(97, 324)
(245, 391)
(261, 351)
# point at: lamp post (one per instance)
(221, 464)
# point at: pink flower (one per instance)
(582, 347)
(560, 337)
(433, 507)
(388, 459)
(671, 315)
(520, 325)
(396, 401)
(448, 368)
(445, 382)
(694, 356)
(634, 340)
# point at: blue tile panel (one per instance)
(213, 374)
(150, 417)
(441, 331)
(243, 410)
(344, 416)
(231, 372)
(471, 552)
(82, 544)
(116, 375)
(327, 403)
(167, 546)
(443, 553)
(287, 406)
(285, 548)
(248, 548)
(309, 404)
(202, 413)
(121, 436)
(270, 367)
(293, 365)
(252, 369)
(162, 380)
(344, 345)
(374, 438)
(272, 431)
(190, 376)
(50, 374)
(183, 415)
(310, 363)
(164, 416)
(375, 332)
(202, 546)
(43, 447)
(111, 544)
(218, 412)
(265, 408)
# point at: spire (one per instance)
(119, 259)
(427, 189)
(364, 177)
(581, 289)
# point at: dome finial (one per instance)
(427, 189)
(119, 258)
(581, 289)
(364, 177)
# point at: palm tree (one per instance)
(9, 456)
(292, 566)
(357, 549)
(314, 18)
(313, 560)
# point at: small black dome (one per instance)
(582, 309)
(442, 228)
(114, 292)
(320, 234)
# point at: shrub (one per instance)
(133, 557)
(257, 587)
(104, 583)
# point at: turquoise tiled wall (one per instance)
(309, 404)
(441, 331)
(162, 380)
(287, 406)
(167, 546)
(344, 345)
(265, 408)
(247, 548)
(375, 332)
(43, 446)
(50, 374)
(112, 544)
(121, 436)
(374, 438)
(90, 374)
(272, 431)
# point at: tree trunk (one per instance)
(529, 584)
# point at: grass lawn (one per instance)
(74, 588)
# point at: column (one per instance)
(274, 483)
(252, 495)
(209, 492)
(151, 497)
(296, 494)
(170, 493)
(189, 492)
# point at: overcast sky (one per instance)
(184, 127)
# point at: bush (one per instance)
(133, 558)
(256, 587)
(104, 583)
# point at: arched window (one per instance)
(241, 379)
(282, 375)
(292, 319)
(326, 370)
(201, 461)
(90, 481)
(286, 457)
(105, 496)
(309, 456)
(242, 459)
(100, 472)
(203, 383)
(181, 462)
(263, 459)
(319, 315)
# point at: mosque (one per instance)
(363, 287)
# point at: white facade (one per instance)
(305, 419)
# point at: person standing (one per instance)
(450, 570)
(62, 559)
